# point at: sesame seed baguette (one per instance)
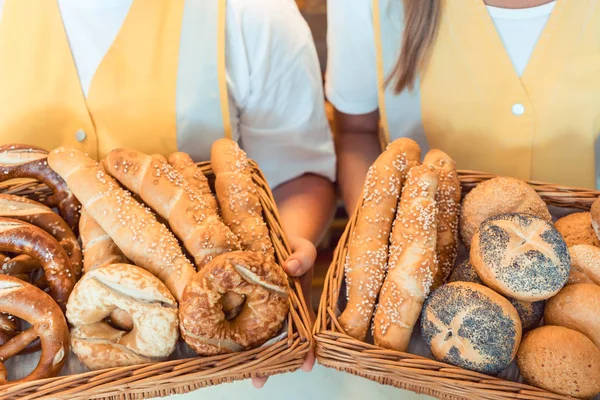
(447, 199)
(366, 260)
(133, 227)
(161, 187)
(238, 197)
(412, 261)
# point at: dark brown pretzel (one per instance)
(23, 238)
(43, 217)
(23, 161)
(47, 323)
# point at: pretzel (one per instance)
(43, 217)
(23, 238)
(23, 161)
(203, 324)
(47, 323)
(135, 291)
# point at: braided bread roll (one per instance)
(412, 261)
(197, 224)
(447, 199)
(368, 248)
(133, 227)
(238, 197)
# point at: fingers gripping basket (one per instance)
(182, 375)
(337, 350)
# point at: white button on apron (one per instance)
(518, 109)
(80, 135)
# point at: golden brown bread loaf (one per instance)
(520, 256)
(412, 261)
(238, 197)
(585, 264)
(368, 248)
(500, 195)
(576, 307)
(458, 321)
(577, 229)
(447, 200)
(133, 227)
(560, 360)
(530, 313)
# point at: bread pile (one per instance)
(485, 313)
(162, 255)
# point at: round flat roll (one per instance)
(521, 256)
(137, 292)
(577, 229)
(530, 313)
(471, 326)
(585, 264)
(560, 360)
(498, 196)
(576, 307)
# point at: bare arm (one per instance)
(357, 147)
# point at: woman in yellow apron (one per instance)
(168, 75)
(510, 87)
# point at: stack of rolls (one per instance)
(404, 242)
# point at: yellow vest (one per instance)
(160, 87)
(471, 103)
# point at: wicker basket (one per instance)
(337, 350)
(181, 376)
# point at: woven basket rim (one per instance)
(338, 350)
(182, 375)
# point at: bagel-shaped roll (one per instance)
(471, 326)
(520, 256)
(133, 290)
(249, 274)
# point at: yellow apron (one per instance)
(134, 96)
(471, 103)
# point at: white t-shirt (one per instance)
(351, 77)
(273, 78)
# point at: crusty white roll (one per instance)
(447, 200)
(162, 188)
(135, 291)
(496, 196)
(366, 260)
(577, 229)
(471, 326)
(133, 227)
(412, 261)
(576, 307)
(585, 264)
(520, 256)
(560, 360)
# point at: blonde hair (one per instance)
(421, 20)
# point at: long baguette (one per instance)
(412, 261)
(162, 188)
(133, 227)
(366, 261)
(447, 199)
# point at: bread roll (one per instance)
(447, 200)
(576, 307)
(560, 360)
(498, 196)
(133, 227)
(471, 326)
(98, 248)
(521, 256)
(577, 229)
(595, 214)
(366, 260)
(412, 261)
(530, 313)
(585, 264)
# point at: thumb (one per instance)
(302, 258)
